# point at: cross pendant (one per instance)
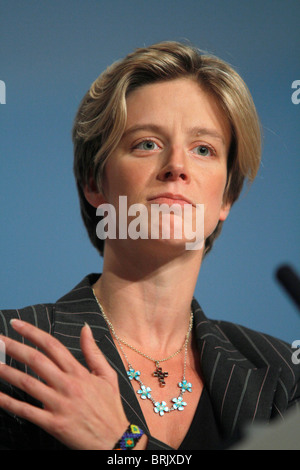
(160, 375)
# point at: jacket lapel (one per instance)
(240, 392)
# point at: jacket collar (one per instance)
(241, 393)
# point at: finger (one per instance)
(36, 360)
(53, 348)
(24, 410)
(28, 384)
(94, 357)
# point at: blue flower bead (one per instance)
(161, 408)
(184, 385)
(133, 374)
(178, 403)
(144, 392)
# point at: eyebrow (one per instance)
(201, 131)
(193, 131)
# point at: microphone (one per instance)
(290, 281)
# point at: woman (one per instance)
(166, 125)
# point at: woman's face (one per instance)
(174, 150)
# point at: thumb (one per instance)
(94, 357)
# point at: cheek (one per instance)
(213, 187)
(123, 178)
(213, 202)
(216, 192)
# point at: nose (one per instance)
(175, 166)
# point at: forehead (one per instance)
(176, 103)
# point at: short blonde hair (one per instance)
(101, 118)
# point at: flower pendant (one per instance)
(160, 408)
(144, 392)
(133, 374)
(184, 385)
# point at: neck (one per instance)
(148, 298)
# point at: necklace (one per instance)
(144, 392)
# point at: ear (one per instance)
(94, 197)
(224, 212)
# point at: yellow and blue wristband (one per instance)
(130, 438)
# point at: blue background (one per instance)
(51, 51)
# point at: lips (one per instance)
(170, 198)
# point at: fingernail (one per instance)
(2, 352)
(88, 327)
(15, 322)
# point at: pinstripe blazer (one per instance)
(249, 376)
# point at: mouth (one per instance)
(170, 199)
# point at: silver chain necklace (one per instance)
(144, 392)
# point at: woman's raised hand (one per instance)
(81, 408)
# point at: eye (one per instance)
(204, 150)
(147, 145)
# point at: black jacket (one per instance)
(250, 376)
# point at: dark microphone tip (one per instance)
(290, 280)
(284, 270)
